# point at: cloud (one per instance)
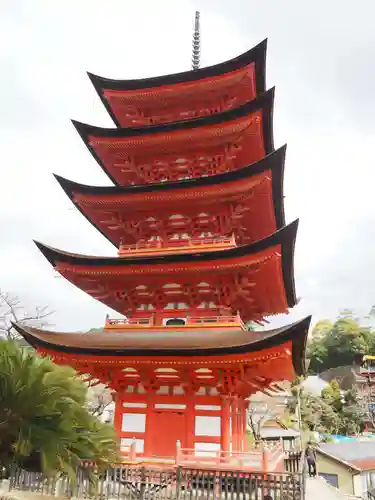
(320, 58)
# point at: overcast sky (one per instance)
(321, 58)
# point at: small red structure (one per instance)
(197, 216)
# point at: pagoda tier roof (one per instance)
(256, 280)
(235, 362)
(247, 203)
(180, 95)
(193, 148)
(204, 342)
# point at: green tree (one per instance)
(322, 328)
(333, 412)
(332, 396)
(342, 343)
(316, 413)
(44, 421)
(352, 413)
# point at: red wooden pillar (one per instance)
(148, 430)
(225, 426)
(230, 422)
(190, 419)
(244, 423)
(240, 424)
(234, 426)
(117, 420)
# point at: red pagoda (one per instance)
(196, 212)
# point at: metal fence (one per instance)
(178, 483)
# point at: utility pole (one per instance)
(299, 417)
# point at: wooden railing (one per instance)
(253, 460)
(150, 321)
(292, 461)
(157, 246)
(147, 321)
(197, 320)
(266, 457)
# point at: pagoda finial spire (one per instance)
(195, 61)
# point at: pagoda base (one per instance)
(183, 426)
(167, 421)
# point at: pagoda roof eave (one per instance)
(172, 344)
(284, 237)
(255, 55)
(274, 162)
(264, 102)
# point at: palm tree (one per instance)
(44, 421)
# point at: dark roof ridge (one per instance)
(258, 52)
(263, 101)
(255, 55)
(274, 161)
(279, 237)
(285, 237)
(296, 333)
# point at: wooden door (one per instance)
(167, 428)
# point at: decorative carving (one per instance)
(238, 288)
(249, 217)
(183, 154)
(171, 104)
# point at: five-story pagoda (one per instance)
(196, 212)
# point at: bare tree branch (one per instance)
(259, 412)
(99, 399)
(12, 311)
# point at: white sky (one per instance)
(321, 57)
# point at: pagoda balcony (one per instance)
(160, 247)
(175, 320)
(270, 457)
